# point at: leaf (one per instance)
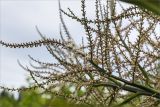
(151, 5)
(128, 100)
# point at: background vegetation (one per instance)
(33, 98)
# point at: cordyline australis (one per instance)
(110, 63)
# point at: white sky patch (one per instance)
(18, 19)
(17, 24)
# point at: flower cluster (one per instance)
(123, 56)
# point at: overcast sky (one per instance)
(18, 19)
(17, 24)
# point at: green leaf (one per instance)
(128, 100)
(151, 5)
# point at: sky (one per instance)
(18, 19)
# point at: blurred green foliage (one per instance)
(33, 98)
(151, 5)
(7, 100)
